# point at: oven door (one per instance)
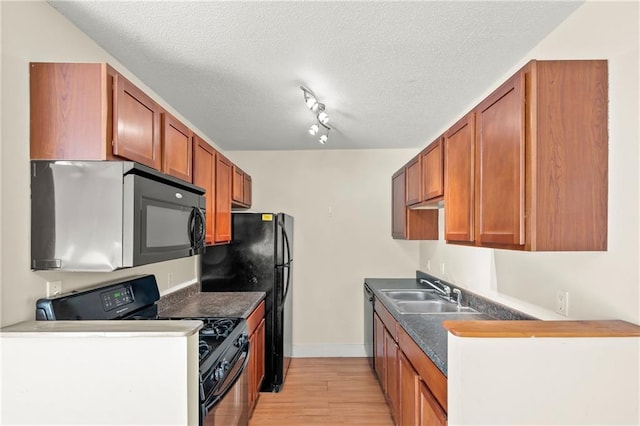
(229, 405)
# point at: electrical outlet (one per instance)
(54, 288)
(170, 278)
(562, 302)
(442, 268)
(428, 265)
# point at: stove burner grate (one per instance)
(204, 349)
(217, 327)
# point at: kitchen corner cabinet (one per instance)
(414, 387)
(256, 367)
(410, 224)
(241, 193)
(177, 148)
(90, 112)
(535, 176)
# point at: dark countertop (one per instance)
(194, 304)
(425, 329)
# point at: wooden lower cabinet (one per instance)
(378, 349)
(393, 383)
(430, 413)
(409, 402)
(415, 388)
(255, 324)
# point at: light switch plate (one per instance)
(54, 288)
(562, 302)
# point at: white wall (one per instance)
(334, 251)
(602, 284)
(31, 32)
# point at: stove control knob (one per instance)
(218, 373)
(241, 340)
(225, 365)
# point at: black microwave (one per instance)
(107, 215)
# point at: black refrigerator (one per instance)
(259, 258)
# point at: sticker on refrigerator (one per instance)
(267, 217)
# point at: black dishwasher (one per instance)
(368, 326)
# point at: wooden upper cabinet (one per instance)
(541, 167)
(223, 182)
(410, 224)
(566, 166)
(398, 205)
(459, 180)
(82, 111)
(500, 155)
(238, 185)
(413, 189)
(70, 108)
(248, 190)
(136, 123)
(241, 195)
(432, 175)
(177, 148)
(204, 168)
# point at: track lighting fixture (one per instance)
(322, 118)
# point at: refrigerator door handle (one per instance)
(286, 241)
(286, 289)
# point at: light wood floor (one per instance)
(325, 391)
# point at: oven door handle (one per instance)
(230, 382)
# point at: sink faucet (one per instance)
(445, 290)
(458, 294)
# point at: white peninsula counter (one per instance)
(99, 372)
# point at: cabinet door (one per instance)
(432, 176)
(393, 378)
(204, 166)
(70, 106)
(136, 122)
(459, 180)
(378, 345)
(247, 190)
(260, 353)
(398, 205)
(222, 227)
(413, 189)
(431, 414)
(256, 363)
(409, 391)
(238, 185)
(177, 148)
(500, 148)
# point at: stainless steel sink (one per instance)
(423, 302)
(410, 295)
(431, 307)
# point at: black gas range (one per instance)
(223, 342)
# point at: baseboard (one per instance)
(327, 351)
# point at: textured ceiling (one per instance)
(391, 74)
